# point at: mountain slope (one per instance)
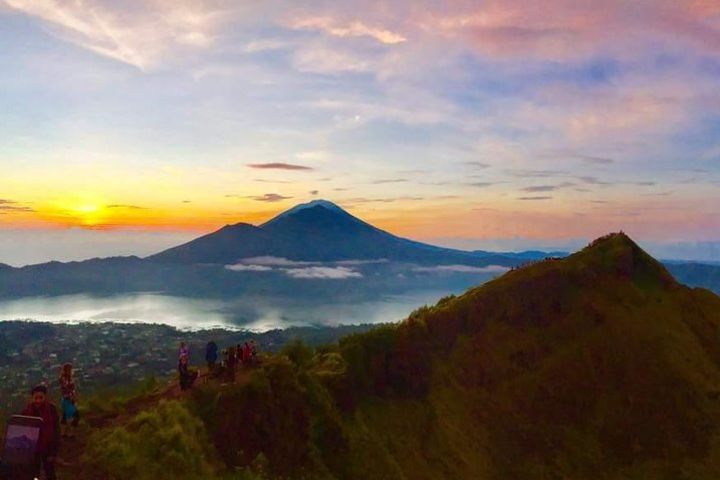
(598, 366)
(316, 231)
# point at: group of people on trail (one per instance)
(245, 354)
(63, 423)
(233, 356)
(54, 424)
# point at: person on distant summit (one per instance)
(69, 399)
(49, 440)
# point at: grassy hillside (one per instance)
(597, 366)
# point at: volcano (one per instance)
(316, 231)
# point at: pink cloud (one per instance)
(562, 29)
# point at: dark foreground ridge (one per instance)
(597, 366)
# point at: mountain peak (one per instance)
(315, 203)
(326, 204)
(613, 243)
(618, 253)
(238, 226)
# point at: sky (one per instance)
(127, 127)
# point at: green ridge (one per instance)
(597, 366)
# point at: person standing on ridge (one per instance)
(211, 355)
(69, 401)
(240, 354)
(187, 376)
(233, 358)
(247, 353)
(184, 351)
(49, 439)
(253, 352)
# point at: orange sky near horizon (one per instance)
(484, 216)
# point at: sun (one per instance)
(90, 214)
(81, 211)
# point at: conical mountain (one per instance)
(315, 231)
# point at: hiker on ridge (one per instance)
(230, 363)
(69, 399)
(240, 354)
(49, 440)
(253, 352)
(187, 376)
(184, 351)
(247, 354)
(211, 355)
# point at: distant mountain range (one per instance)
(526, 255)
(295, 254)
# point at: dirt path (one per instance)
(69, 465)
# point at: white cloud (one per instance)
(271, 261)
(274, 261)
(463, 269)
(351, 29)
(240, 267)
(331, 273)
(360, 262)
(137, 35)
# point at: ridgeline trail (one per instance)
(69, 460)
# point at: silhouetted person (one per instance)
(187, 376)
(184, 351)
(49, 439)
(211, 355)
(240, 354)
(69, 400)
(253, 352)
(247, 354)
(232, 360)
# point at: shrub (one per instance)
(165, 442)
(269, 416)
(114, 400)
(298, 352)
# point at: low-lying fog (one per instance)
(253, 313)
